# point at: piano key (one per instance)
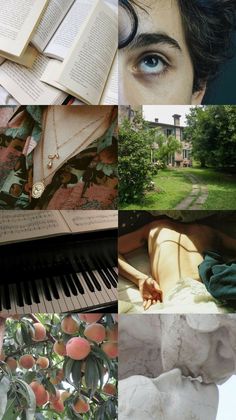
(80, 277)
(63, 298)
(105, 293)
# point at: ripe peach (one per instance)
(65, 395)
(90, 318)
(58, 378)
(27, 361)
(109, 389)
(58, 406)
(41, 395)
(43, 362)
(59, 348)
(112, 333)
(81, 406)
(39, 333)
(53, 398)
(95, 332)
(111, 349)
(78, 348)
(69, 325)
(12, 363)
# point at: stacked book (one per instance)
(50, 49)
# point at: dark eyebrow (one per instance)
(146, 39)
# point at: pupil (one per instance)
(151, 61)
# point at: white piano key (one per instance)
(105, 296)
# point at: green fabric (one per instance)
(219, 277)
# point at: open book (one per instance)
(86, 39)
(59, 26)
(21, 225)
(90, 63)
(18, 19)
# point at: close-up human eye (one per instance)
(151, 64)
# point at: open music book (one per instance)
(82, 34)
(21, 225)
(18, 19)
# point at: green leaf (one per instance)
(26, 391)
(4, 388)
(49, 386)
(76, 372)
(91, 373)
(25, 334)
(67, 367)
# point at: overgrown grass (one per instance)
(221, 187)
(173, 185)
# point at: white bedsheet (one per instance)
(188, 296)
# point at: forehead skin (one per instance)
(173, 87)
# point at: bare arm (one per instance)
(148, 287)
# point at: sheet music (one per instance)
(17, 225)
(90, 220)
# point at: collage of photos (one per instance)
(117, 209)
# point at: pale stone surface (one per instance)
(185, 355)
(166, 397)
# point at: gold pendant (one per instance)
(38, 189)
(51, 158)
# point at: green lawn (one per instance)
(174, 186)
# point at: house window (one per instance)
(185, 154)
(169, 132)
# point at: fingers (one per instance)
(147, 304)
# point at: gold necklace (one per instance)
(39, 186)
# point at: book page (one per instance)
(62, 41)
(88, 63)
(90, 220)
(25, 85)
(110, 93)
(19, 225)
(51, 19)
(18, 19)
(27, 59)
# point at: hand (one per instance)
(150, 292)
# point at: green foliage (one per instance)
(138, 144)
(212, 130)
(135, 170)
(81, 378)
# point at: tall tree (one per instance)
(212, 130)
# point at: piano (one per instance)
(73, 272)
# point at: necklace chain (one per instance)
(39, 186)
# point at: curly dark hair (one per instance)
(208, 27)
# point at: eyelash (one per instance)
(158, 58)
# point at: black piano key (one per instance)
(53, 288)
(46, 290)
(19, 297)
(103, 274)
(26, 293)
(90, 273)
(104, 278)
(6, 297)
(64, 285)
(77, 282)
(34, 291)
(72, 279)
(113, 274)
(106, 271)
(84, 274)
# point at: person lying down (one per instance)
(181, 255)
